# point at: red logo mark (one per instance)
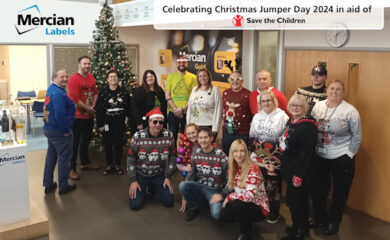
(238, 20)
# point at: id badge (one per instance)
(282, 145)
(106, 128)
(321, 150)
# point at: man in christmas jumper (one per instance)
(58, 130)
(263, 82)
(207, 179)
(178, 88)
(237, 116)
(83, 92)
(147, 166)
(317, 91)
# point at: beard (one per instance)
(182, 68)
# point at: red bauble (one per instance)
(182, 136)
(188, 150)
(181, 144)
(188, 144)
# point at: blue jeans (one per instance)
(59, 149)
(193, 192)
(176, 124)
(155, 186)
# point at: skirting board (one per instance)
(36, 226)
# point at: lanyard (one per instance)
(334, 110)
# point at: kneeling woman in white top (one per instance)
(205, 103)
(266, 128)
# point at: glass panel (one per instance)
(267, 52)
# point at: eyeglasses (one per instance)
(296, 105)
(235, 79)
(155, 122)
(266, 101)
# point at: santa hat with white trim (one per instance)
(155, 112)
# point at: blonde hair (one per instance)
(298, 99)
(233, 167)
(265, 93)
(209, 83)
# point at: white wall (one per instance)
(150, 41)
(378, 40)
(28, 69)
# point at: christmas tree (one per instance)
(108, 52)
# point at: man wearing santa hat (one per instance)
(147, 148)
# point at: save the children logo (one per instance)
(238, 20)
(31, 18)
(11, 159)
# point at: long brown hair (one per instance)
(233, 166)
(145, 86)
(197, 78)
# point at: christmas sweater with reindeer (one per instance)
(209, 169)
(237, 114)
(82, 88)
(266, 130)
(254, 190)
(151, 156)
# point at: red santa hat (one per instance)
(205, 164)
(155, 112)
(216, 165)
(154, 151)
(142, 150)
(182, 58)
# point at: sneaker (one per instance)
(90, 166)
(191, 214)
(273, 218)
(67, 189)
(74, 175)
(51, 188)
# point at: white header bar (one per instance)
(268, 14)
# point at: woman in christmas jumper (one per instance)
(298, 153)
(205, 103)
(266, 128)
(188, 143)
(146, 97)
(112, 110)
(339, 137)
(248, 201)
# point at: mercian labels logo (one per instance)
(6, 159)
(30, 18)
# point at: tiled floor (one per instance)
(98, 209)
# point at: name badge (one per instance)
(321, 150)
(106, 128)
(282, 145)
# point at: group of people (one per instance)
(265, 139)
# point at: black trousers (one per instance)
(242, 212)
(342, 171)
(297, 199)
(176, 124)
(82, 135)
(113, 141)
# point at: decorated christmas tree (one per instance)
(108, 52)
